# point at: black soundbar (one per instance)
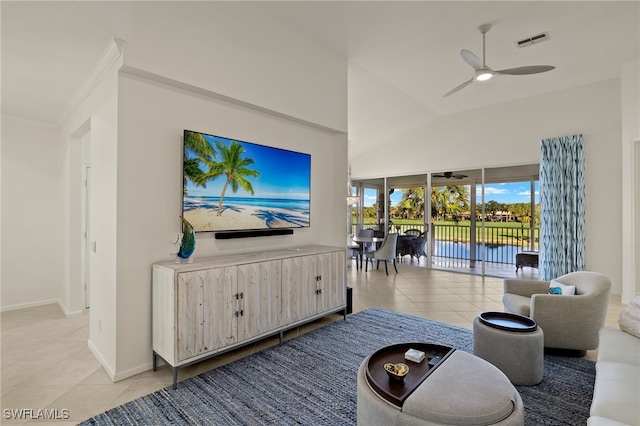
(253, 233)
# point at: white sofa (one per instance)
(616, 396)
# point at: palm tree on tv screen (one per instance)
(234, 167)
(195, 144)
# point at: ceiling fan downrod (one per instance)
(484, 29)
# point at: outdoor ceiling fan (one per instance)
(450, 175)
(484, 73)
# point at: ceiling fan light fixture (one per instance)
(483, 75)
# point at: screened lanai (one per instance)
(467, 224)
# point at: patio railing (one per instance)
(454, 241)
(502, 243)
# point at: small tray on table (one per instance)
(508, 322)
(396, 392)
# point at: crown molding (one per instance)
(110, 56)
(29, 122)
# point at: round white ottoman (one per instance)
(518, 351)
(463, 390)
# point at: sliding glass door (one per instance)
(474, 221)
(483, 218)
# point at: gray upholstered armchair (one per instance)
(568, 322)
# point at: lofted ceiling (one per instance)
(402, 55)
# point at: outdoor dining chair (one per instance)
(362, 247)
(386, 252)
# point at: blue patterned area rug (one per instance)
(311, 380)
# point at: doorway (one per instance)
(482, 218)
(77, 293)
(471, 224)
(86, 218)
(635, 190)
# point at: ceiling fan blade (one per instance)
(531, 69)
(454, 90)
(471, 59)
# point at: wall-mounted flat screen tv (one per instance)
(232, 185)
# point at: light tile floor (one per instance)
(46, 363)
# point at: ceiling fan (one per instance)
(450, 175)
(484, 73)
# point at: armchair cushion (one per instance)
(517, 304)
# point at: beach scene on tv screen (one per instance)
(231, 185)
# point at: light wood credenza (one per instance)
(213, 305)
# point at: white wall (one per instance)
(630, 89)
(234, 49)
(222, 68)
(95, 119)
(151, 120)
(510, 134)
(246, 77)
(31, 219)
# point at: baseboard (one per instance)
(132, 372)
(96, 353)
(68, 313)
(116, 377)
(29, 305)
(63, 308)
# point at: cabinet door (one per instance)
(324, 270)
(298, 288)
(334, 289)
(220, 306)
(331, 286)
(190, 315)
(259, 300)
(291, 276)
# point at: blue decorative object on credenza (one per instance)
(188, 243)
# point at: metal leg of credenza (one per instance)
(155, 361)
(175, 378)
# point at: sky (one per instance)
(283, 174)
(507, 193)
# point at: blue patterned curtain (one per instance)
(562, 207)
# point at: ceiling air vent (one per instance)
(533, 40)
